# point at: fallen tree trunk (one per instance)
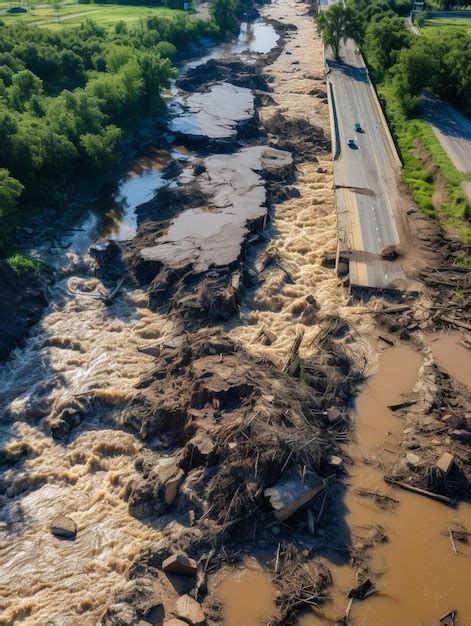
(293, 354)
(455, 322)
(422, 492)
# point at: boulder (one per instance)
(412, 460)
(63, 527)
(453, 421)
(446, 462)
(180, 564)
(189, 610)
(462, 435)
(175, 622)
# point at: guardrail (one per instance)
(334, 122)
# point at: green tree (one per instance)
(385, 36)
(223, 13)
(24, 86)
(337, 24)
(10, 190)
(156, 74)
(101, 150)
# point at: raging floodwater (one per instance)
(80, 346)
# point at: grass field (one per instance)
(416, 135)
(74, 14)
(438, 25)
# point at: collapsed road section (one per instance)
(366, 167)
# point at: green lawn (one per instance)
(454, 211)
(438, 25)
(74, 14)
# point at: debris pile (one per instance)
(299, 582)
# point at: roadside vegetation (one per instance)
(438, 25)
(403, 65)
(68, 97)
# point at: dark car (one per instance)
(351, 144)
(358, 127)
(17, 10)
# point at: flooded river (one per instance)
(81, 346)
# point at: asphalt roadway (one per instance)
(452, 128)
(365, 176)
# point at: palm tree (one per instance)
(336, 25)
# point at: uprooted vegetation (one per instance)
(220, 426)
(235, 420)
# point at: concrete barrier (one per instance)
(334, 123)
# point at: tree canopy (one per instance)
(336, 25)
(67, 97)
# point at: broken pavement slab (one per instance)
(215, 113)
(180, 564)
(446, 462)
(204, 237)
(288, 496)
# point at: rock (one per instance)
(104, 252)
(156, 490)
(462, 435)
(333, 414)
(180, 564)
(342, 269)
(175, 622)
(287, 496)
(453, 421)
(63, 527)
(412, 460)
(170, 488)
(336, 461)
(446, 462)
(134, 602)
(189, 610)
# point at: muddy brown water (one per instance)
(114, 217)
(247, 595)
(419, 577)
(452, 356)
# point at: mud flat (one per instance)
(212, 236)
(214, 114)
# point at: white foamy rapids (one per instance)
(80, 345)
(304, 228)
